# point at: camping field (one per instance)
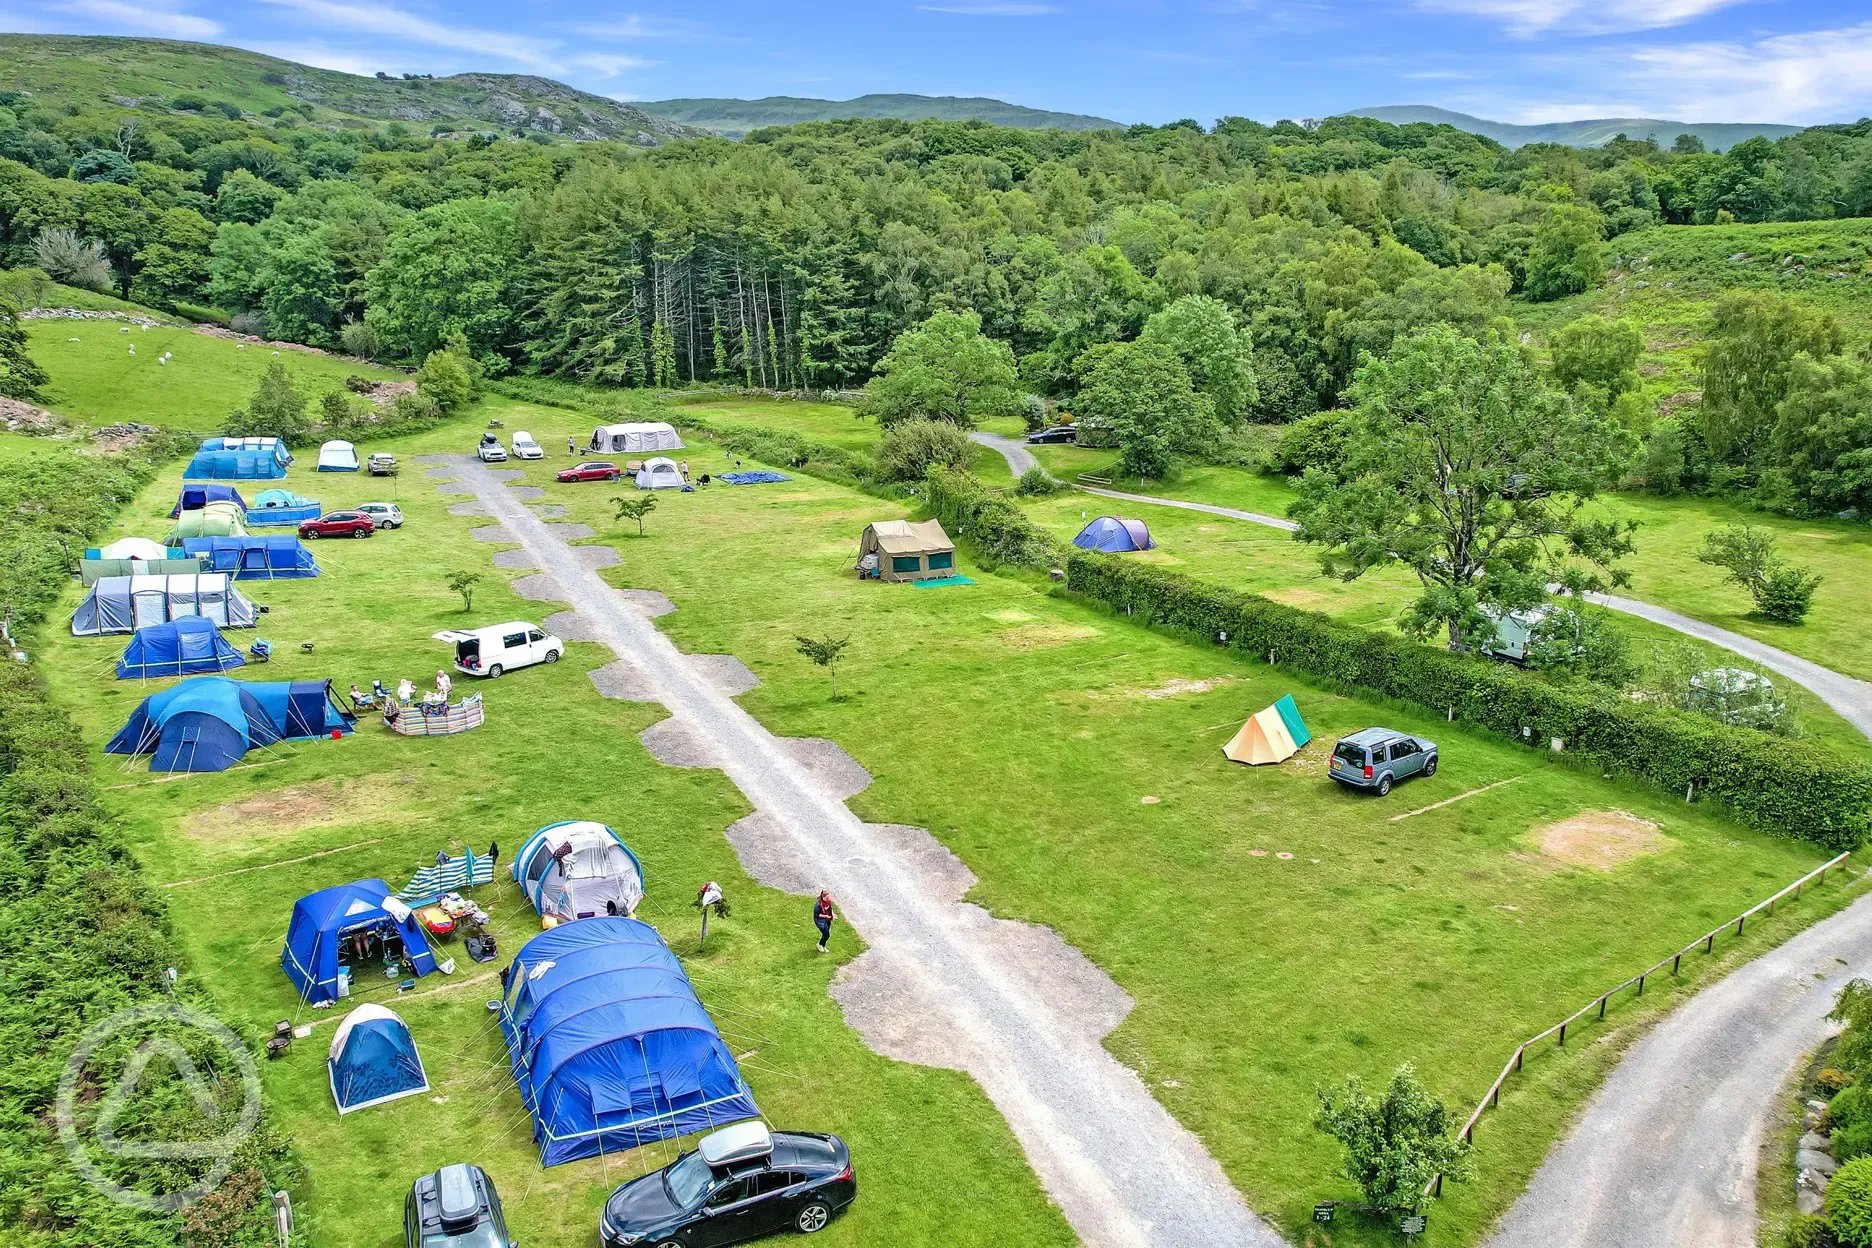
(1275, 932)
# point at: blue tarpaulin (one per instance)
(198, 494)
(753, 478)
(610, 1047)
(1115, 534)
(188, 646)
(321, 921)
(266, 558)
(210, 722)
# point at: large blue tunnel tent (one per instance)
(198, 494)
(189, 646)
(272, 507)
(239, 459)
(268, 558)
(610, 1047)
(208, 723)
(318, 939)
(373, 1059)
(1114, 534)
(123, 604)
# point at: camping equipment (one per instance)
(123, 604)
(239, 459)
(752, 478)
(222, 519)
(271, 557)
(431, 882)
(636, 438)
(436, 921)
(908, 550)
(660, 474)
(196, 495)
(322, 922)
(261, 650)
(337, 456)
(1114, 534)
(571, 869)
(207, 723)
(609, 1045)
(185, 647)
(1273, 735)
(271, 507)
(939, 582)
(373, 1059)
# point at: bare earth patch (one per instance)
(1599, 838)
(282, 813)
(1176, 687)
(1034, 636)
(1294, 596)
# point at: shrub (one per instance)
(910, 448)
(68, 258)
(1788, 593)
(359, 339)
(1831, 1081)
(447, 379)
(1036, 482)
(359, 385)
(201, 314)
(277, 410)
(1316, 441)
(413, 407)
(997, 526)
(1781, 591)
(1849, 1203)
(1809, 1232)
(252, 323)
(26, 287)
(1787, 788)
(1396, 1144)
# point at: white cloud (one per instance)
(606, 64)
(1808, 78)
(335, 15)
(992, 8)
(152, 19)
(320, 55)
(1583, 17)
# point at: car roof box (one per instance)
(457, 1201)
(744, 1141)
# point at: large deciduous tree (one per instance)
(1747, 365)
(1565, 259)
(1142, 393)
(1464, 468)
(945, 369)
(1215, 352)
(447, 269)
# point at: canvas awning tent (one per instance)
(636, 438)
(1273, 735)
(134, 556)
(277, 557)
(322, 920)
(271, 507)
(908, 550)
(239, 459)
(659, 474)
(337, 456)
(571, 869)
(1114, 534)
(190, 646)
(196, 494)
(373, 1059)
(212, 520)
(123, 604)
(208, 723)
(610, 1047)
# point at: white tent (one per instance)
(337, 457)
(570, 870)
(659, 474)
(134, 548)
(635, 438)
(123, 604)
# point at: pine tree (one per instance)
(718, 349)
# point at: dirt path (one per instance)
(943, 982)
(1019, 458)
(1666, 1153)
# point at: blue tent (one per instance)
(320, 923)
(182, 647)
(1114, 534)
(196, 495)
(610, 1047)
(209, 723)
(272, 507)
(277, 557)
(373, 1059)
(239, 459)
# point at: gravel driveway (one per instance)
(1019, 458)
(1120, 1167)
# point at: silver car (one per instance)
(385, 515)
(1376, 758)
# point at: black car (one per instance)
(1058, 433)
(742, 1182)
(456, 1207)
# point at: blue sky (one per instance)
(1798, 61)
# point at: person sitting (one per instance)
(361, 700)
(444, 685)
(392, 711)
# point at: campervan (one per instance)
(501, 648)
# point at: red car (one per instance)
(338, 524)
(597, 470)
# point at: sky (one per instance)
(1530, 61)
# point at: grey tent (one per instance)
(123, 604)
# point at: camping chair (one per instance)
(281, 1040)
(261, 650)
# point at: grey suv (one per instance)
(456, 1207)
(1376, 758)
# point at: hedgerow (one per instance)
(997, 527)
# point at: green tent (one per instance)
(215, 520)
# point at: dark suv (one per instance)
(742, 1182)
(1375, 758)
(456, 1207)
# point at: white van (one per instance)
(490, 651)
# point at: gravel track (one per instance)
(1122, 1170)
(1019, 458)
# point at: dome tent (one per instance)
(208, 723)
(198, 494)
(1114, 534)
(571, 869)
(373, 1059)
(123, 604)
(337, 456)
(659, 474)
(321, 921)
(609, 1045)
(211, 520)
(185, 647)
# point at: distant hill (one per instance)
(84, 70)
(1716, 136)
(735, 118)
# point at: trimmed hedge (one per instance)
(1786, 788)
(999, 529)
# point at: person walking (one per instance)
(822, 916)
(571, 446)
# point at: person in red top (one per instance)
(822, 916)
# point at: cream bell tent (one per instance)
(337, 457)
(659, 474)
(635, 438)
(906, 550)
(1272, 736)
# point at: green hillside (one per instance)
(1716, 136)
(735, 118)
(83, 71)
